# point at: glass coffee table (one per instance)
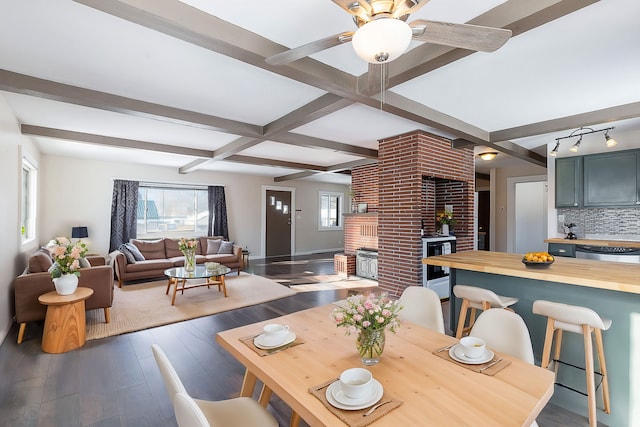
(179, 276)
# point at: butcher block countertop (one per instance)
(613, 276)
(589, 242)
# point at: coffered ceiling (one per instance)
(185, 84)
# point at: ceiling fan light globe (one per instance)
(383, 38)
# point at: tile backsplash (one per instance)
(591, 223)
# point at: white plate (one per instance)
(457, 353)
(259, 341)
(334, 393)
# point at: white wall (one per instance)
(78, 192)
(12, 251)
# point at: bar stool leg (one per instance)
(603, 369)
(591, 387)
(548, 340)
(558, 347)
(463, 317)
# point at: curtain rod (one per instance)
(169, 183)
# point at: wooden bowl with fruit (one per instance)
(538, 259)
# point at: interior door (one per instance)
(278, 223)
(530, 216)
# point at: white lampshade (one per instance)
(382, 40)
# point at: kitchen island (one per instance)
(612, 289)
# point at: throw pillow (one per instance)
(213, 246)
(226, 248)
(84, 263)
(127, 253)
(137, 255)
(40, 261)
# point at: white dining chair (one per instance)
(475, 298)
(422, 306)
(505, 331)
(240, 411)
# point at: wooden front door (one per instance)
(278, 223)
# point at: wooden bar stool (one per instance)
(477, 298)
(580, 320)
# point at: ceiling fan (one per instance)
(383, 33)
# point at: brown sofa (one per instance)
(36, 280)
(162, 254)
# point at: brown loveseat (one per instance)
(162, 254)
(36, 280)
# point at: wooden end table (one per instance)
(65, 324)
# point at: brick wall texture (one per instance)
(417, 175)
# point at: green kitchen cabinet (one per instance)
(612, 179)
(569, 182)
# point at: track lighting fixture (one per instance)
(580, 132)
(610, 141)
(576, 146)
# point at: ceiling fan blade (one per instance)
(362, 9)
(309, 49)
(406, 7)
(465, 36)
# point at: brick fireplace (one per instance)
(416, 176)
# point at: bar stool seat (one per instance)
(475, 298)
(579, 320)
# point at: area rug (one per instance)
(145, 305)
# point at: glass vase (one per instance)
(189, 259)
(370, 344)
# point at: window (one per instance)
(331, 210)
(29, 199)
(172, 211)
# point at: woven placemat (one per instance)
(248, 341)
(490, 368)
(355, 418)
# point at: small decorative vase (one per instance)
(445, 229)
(189, 259)
(66, 284)
(370, 344)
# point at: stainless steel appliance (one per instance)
(433, 276)
(367, 263)
(608, 253)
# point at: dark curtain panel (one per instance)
(217, 212)
(124, 212)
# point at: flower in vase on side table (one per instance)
(368, 316)
(66, 257)
(188, 248)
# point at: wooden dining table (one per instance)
(433, 391)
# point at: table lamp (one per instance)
(79, 232)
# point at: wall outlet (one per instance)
(561, 218)
(448, 208)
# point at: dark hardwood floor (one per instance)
(115, 382)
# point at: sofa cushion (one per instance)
(171, 248)
(135, 251)
(150, 249)
(213, 246)
(226, 248)
(149, 265)
(204, 243)
(223, 258)
(40, 261)
(84, 263)
(127, 253)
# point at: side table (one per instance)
(245, 258)
(65, 323)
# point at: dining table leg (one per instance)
(265, 395)
(295, 419)
(248, 384)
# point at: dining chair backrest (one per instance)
(423, 307)
(504, 331)
(188, 413)
(169, 374)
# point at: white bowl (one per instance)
(356, 383)
(473, 347)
